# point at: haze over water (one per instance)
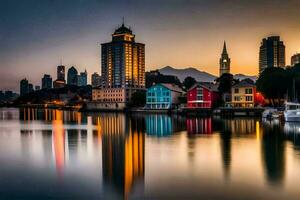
(46, 154)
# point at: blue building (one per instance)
(82, 79)
(162, 96)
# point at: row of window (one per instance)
(164, 93)
(247, 90)
(158, 99)
(239, 98)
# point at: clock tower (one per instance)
(224, 61)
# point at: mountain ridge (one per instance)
(199, 75)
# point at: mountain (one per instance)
(200, 76)
(242, 76)
(183, 73)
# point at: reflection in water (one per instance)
(199, 126)
(226, 152)
(292, 133)
(273, 153)
(84, 148)
(240, 126)
(70, 117)
(59, 141)
(122, 152)
(162, 125)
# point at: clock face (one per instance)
(225, 60)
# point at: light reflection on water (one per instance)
(48, 154)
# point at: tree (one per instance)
(189, 82)
(273, 83)
(138, 99)
(154, 77)
(225, 83)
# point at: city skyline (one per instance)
(37, 40)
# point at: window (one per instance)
(237, 98)
(199, 97)
(236, 90)
(248, 90)
(248, 98)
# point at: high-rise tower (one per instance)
(123, 61)
(271, 53)
(224, 61)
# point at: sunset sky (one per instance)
(36, 34)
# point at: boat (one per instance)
(292, 112)
(270, 113)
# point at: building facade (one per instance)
(123, 61)
(224, 61)
(96, 80)
(163, 96)
(295, 59)
(271, 53)
(47, 82)
(202, 95)
(82, 79)
(24, 87)
(72, 76)
(60, 81)
(243, 94)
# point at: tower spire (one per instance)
(224, 48)
(123, 21)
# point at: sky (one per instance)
(35, 35)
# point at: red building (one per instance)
(202, 95)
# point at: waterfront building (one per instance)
(82, 79)
(60, 81)
(202, 95)
(24, 87)
(271, 53)
(122, 69)
(123, 61)
(295, 59)
(163, 96)
(224, 61)
(109, 98)
(72, 76)
(47, 82)
(243, 94)
(96, 80)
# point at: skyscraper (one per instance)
(72, 76)
(24, 87)
(96, 80)
(82, 79)
(295, 59)
(60, 81)
(123, 61)
(224, 61)
(271, 53)
(46, 82)
(60, 72)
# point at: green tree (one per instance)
(189, 82)
(273, 84)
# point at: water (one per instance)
(53, 154)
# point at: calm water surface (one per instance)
(53, 154)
